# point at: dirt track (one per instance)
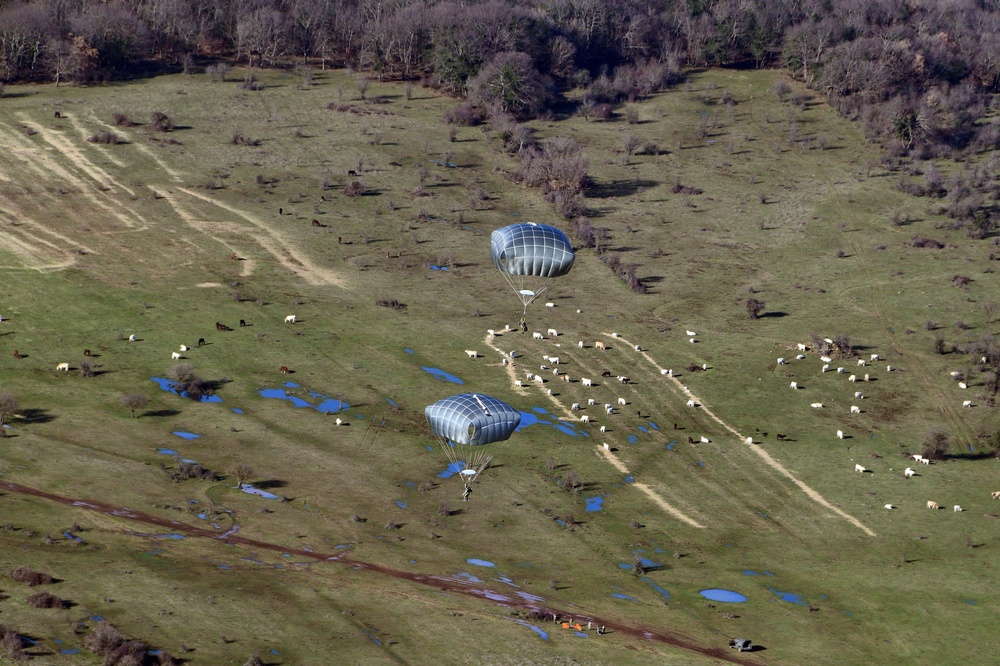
(526, 602)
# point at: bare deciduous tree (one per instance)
(133, 402)
(242, 472)
(8, 408)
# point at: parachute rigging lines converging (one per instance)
(529, 255)
(463, 423)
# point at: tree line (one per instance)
(917, 75)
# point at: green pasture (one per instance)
(779, 200)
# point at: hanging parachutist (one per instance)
(468, 491)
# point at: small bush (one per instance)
(32, 578)
(927, 243)
(390, 303)
(160, 122)
(464, 115)
(358, 519)
(240, 139)
(46, 600)
(354, 189)
(122, 120)
(184, 471)
(106, 137)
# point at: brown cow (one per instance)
(17, 354)
(283, 369)
(242, 323)
(86, 352)
(221, 327)
(233, 256)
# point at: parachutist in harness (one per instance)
(522, 325)
(468, 491)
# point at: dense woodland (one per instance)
(917, 74)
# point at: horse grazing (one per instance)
(242, 323)
(221, 327)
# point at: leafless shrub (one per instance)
(87, 369)
(390, 525)
(464, 115)
(27, 129)
(218, 71)
(390, 303)
(46, 600)
(241, 139)
(160, 122)
(254, 660)
(30, 577)
(106, 137)
(354, 189)
(961, 281)
(928, 243)
(355, 518)
(184, 471)
(250, 82)
(122, 120)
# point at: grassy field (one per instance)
(765, 197)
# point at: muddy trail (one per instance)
(529, 603)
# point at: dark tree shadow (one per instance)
(36, 416)
(161, 412)
(270, 483)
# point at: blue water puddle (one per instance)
(848, 613)
(439, 268)
(413, 561)
(327, 406)
(429, 447)
(664, 593)
(189, 461)
(154, 552)
(408, 351)
(653, 426)
(727, 596)
(203, 516)
(632, 439)
(560, 522)
(822, 596)
(168, 536)
(643, 429)
(237, 410)
(167, 452)
(372, 634)
(72, 537)
(401, 504)
(167, 385)
(671, 445)
(250, 490)
(438, 373)
(451, 470)
(465, 575)
(629, 478)
(645, 562)
(789, 597)
(291, 385)
(544, 635)
(595, 504)
(762, 514)
(528, 419)
(225, 567)
(274, 652)
(750, 572)
(185, 435)
(701, 464)
(57, 641)
(391, 402)
(70, 651)
(622, 595)
(971, 602)
(581, 634)
(410, 484)
(479, 563)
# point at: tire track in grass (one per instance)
(477, 591)
(618, 464)
(284, 252)
(764, 455)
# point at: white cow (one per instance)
(874, 357)
(585, 419)
(917, 457)
(554, 360)
(840, 370)
(290, 319)
(781, 361)
(852, 378)
(575, 407)
(840, 434)
(692, 341)
(590, 402)
(889, 506)
(537, 336)
(861, 361)
(175, 356)
(866, 376)
(749, 440)
(490, 332)
(550, 305)
(858, 394)
(859, 468)
(888, 368)
(554, 333)
(184, 348)
(855, 409)
(621, 401)
(580, 344)
(825, 367)
(607, 447)
(638, 348)
(799, 357)
(131, 338)
(817, 405)
(586, 382)
(472, 353)
(908, 472)
(925, 461)
(705, 440)
(603, 428)
(801, 347)
(539, 379)
(794, 385)
(690, 334)
(616, 335)
(690, 403)
(957, 508)
(339, 421)
(63, 366)
(826, 359)
(517, 382)
(966, 403)
(963, 385)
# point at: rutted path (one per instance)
(527, 602)
(764, 455)
(613, 459)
